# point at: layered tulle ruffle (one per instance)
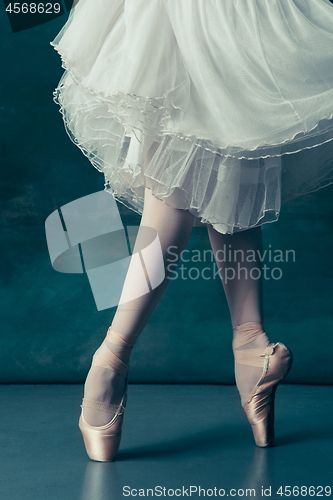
(223, 108)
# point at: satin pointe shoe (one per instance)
(102, 442)
(276, 361)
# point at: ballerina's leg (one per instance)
(173, 227)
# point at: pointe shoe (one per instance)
(259, 406)
(102, 442)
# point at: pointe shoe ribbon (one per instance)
(246, 333)
(105, 358)
(254, 357)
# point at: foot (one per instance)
(105, 386)
(259, 366)
(248, 371)
(106, 380)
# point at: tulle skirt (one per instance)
(220, 107)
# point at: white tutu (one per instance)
(221, 107)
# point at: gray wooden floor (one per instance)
(174, 437)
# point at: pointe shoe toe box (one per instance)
(102, 443)
(260, 408)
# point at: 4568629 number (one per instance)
(304, 491)
(33, 8)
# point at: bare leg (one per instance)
(173, 227)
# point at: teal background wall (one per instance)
(49, 323)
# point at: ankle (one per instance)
(249, 335)
(119, 344)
